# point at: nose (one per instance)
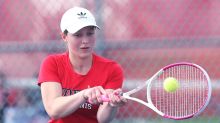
(85, 40)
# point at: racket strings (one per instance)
(188, 98)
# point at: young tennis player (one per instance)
(72, 82)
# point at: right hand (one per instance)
(93, 95)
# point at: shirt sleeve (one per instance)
(48, 71)
(116, 77)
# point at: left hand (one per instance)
(115, 99)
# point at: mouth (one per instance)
(84, 48)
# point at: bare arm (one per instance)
(58, 106)
(55, 104)
(106, 113)
(108, 110)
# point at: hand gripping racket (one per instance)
(189, 100)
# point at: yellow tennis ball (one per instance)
(170, 84)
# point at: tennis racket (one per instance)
(189, 100)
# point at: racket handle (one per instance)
(105, 98)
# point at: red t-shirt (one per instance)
(104, 72)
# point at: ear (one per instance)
(63, 36)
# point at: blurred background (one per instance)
(141, 35)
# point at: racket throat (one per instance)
(144, 103)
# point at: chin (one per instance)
(85, 55)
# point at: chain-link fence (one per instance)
(143, 36)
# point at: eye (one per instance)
(90, 33)
(77, 35)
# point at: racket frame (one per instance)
(147, 83)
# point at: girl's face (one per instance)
(82, 42)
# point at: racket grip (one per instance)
(105, 98)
